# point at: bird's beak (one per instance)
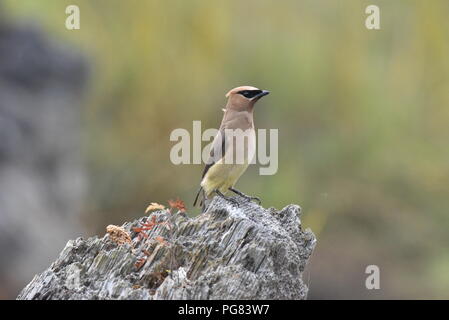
(260, 95)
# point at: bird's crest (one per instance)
(235, 90)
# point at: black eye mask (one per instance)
(250, 93)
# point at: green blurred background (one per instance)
(362, 118)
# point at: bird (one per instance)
(221, 172)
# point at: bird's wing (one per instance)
(219, 143)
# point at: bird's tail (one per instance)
(200, 191)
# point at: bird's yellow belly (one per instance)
(222, 176)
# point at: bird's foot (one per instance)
(248, 198)
(233, 201)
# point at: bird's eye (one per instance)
(249, 93)
(246, 93)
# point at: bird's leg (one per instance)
(249, 198)
(220, 194)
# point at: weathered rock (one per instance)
(229, 252)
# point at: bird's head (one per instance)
(244, 98)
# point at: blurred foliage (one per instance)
(362, 117)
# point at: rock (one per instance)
(228, 252)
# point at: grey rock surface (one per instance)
(228, 252)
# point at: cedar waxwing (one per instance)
(222, 171)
